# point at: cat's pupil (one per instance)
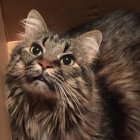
(36, 49)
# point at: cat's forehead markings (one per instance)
(49, 38)
(66, 47)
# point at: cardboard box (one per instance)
(4, 122)
(60, 16)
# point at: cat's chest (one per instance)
(42, 134)
(55, 137)
(45, 133)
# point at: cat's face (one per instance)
(47, 65)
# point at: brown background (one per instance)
(4, 126)
(60, 15)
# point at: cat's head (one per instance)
(51, 66)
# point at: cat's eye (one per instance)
(36, 49)
(67, 60)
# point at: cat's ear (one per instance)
(34, 24)
(90, 43)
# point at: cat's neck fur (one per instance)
(53, 119)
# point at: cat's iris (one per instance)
(36, 49)
(67, 60)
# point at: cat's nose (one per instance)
(45, 64)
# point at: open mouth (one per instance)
(40, 78)
(37, 78)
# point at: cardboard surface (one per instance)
(4, 122)
(11, 45)
(60, 15)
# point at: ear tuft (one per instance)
(34, 24)
(90, 43)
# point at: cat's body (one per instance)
(85, 98)
(118, 70)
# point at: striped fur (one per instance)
(96, 97)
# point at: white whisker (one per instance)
(74, 99)
(62, 108)
(74, 91)
(68, 101)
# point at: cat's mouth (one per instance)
(41, 78)
(39, 85)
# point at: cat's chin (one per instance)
(40, 88)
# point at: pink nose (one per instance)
(45, 64)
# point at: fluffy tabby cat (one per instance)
(83, 87)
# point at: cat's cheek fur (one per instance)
(78, 83)
(50, 72)
(72, 71)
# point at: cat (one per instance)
(82, 85)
